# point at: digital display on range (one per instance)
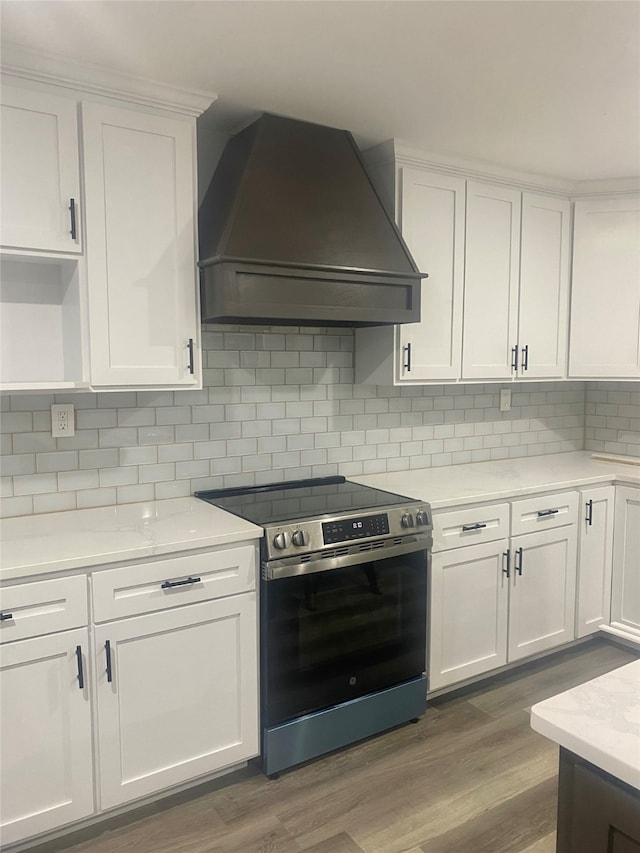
(347, 529)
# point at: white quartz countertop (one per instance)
(599, 721)
(456, 485)
(42, 544)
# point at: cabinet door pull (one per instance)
(190, 348)
(543, 513)
(514, 358)
(525, 357)
(589, 517)
(80, 667)
(72, 211)
(172, 584)
(5, 616)
(506, 568)
(107, 653)
(477, 526)
(406, 365)
(518, 561)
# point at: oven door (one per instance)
(332, 635)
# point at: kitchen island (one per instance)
(597, 726)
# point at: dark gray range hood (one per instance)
(293, 232)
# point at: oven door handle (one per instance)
(277, 569)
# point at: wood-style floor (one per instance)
(470, 777)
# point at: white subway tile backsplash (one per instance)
(280, 403)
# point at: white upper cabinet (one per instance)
(141, 249)
(605, 298)
(544, 287)
(491, 281)
(495, 303)
(432, 223)
(40, 172)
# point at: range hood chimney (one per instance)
(292, 232)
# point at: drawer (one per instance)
(157, 585)
(43, 607)
(544, 511)
(453, 529)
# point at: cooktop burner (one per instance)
(299, 499)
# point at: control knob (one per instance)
(300, 537)
(281, 540)
(407, 520)
(422, 516)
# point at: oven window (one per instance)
(332, 636)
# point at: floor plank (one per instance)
(470, 777)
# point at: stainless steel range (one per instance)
(343, 604)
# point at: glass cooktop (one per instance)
(278, 503)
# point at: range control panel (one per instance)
(309, 535)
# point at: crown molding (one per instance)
(20, 62)
(402, 154)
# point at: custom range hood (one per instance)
(292, 232)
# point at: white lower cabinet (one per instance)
(46, 763)
(543, 589)
(501, 600)
(469, 611)
(158, 682)
(176, 695)
(625, 590)
(595, 522)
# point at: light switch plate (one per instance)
(505, 399)
(63, 421)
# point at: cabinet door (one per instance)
(544, 287)
(625, 592)
(178, 698)
(432, 223)
(605, 297)
(46, 769)
(141, 261)
(491, 281)
(542, 601)
(594, 561)
(40, 171)
(468, 611)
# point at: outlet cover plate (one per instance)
(63, 422)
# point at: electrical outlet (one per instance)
(505, 399)
(63, 422)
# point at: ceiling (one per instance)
(550, 87)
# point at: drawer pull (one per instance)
(107, 653)
(80, 667)
(518, 561)
(477, 526)
(589, 517)
(507, 566)
(172, 584)
(543, 513)
(4, 617)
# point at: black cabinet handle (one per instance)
(589, 517)
(514, 357)
(172, 584)
(525, 357)
(5, 616)
(518, 561)
(477, 526)
(72, 211)
(407, 360)
(190, 348)
(543, 513)
(80, 668)
(107, 652)
(506, 568)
